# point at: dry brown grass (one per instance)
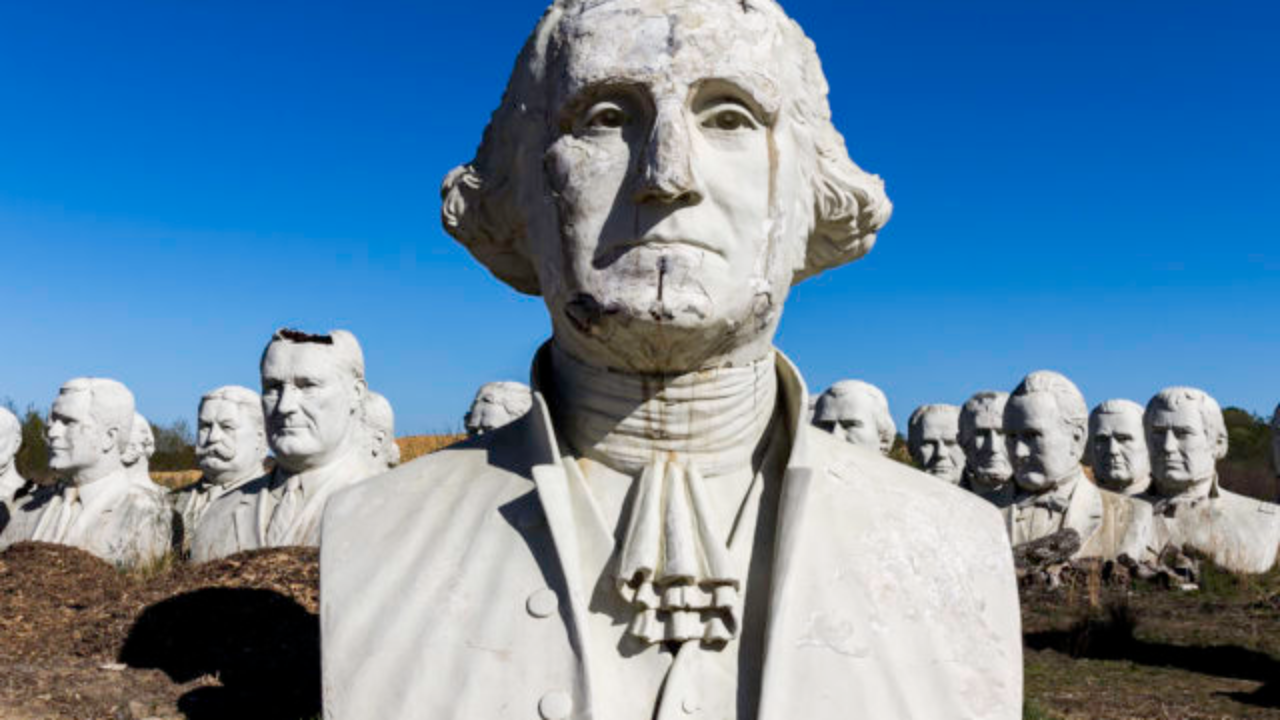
(416, 446)
(176, 479)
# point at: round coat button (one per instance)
(555, 705)
(542, 604)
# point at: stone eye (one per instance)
(608, 116)
(729, 119)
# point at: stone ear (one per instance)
(480, 213)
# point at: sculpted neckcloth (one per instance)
(678, 434)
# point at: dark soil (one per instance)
(239, 638)
(236, 638)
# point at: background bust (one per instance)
(380, 423)
(231, 436)
(1187, 437)
(142, 445)
(858, 413)
(90, 425)
(1275, 440)
(10, 442)
(313, 392)
(1046, 424)
(933, 439)
(1118, 447)
(987, 467)
(496, 404)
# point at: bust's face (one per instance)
(1044, 449)
(76, 441)
(850, 417)
(10, 440)
(665, 167)
(310, 404)
(1119, 450)
(142, 444)
(1182, 453)
(985, 451)
(940, 453)
(229, 444)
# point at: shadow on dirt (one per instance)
(263, 647)
(1109, 635)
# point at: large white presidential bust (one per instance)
(663, 535)
(497, 404)
(987, 471)
(858, 413)
(313, 402)
(1187, 436)
(231, 450)
(99, 505)
(1118, 447)
(933, 438)
(1046, 425)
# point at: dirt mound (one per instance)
(235, 637)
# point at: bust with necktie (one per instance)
(1046, 427)
(1187, 435)
(98, 505)
(664, 534)
(314, 404)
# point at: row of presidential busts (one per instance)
(1154, 467)
(323, 427)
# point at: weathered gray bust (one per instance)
(100, 506)
(1046, 429)
(858, 413)
(496, 404)
(1118, 447)
(663, 534)
(987, 470)
(933, 437)
(231, 450)
(1187, 436)
(137, 453)
(380, 423)
(313, 401)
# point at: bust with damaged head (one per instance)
(661, 172)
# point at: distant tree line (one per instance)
(175, 445)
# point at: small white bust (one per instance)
(10, 442)
(496, 404)
(313, 402)
(858, 413)
(987, 470)
(1187, 435)
(933, 437)
(1118, 447)
(1046, 425)
(100, 506)
(142, 445)
(380, 422)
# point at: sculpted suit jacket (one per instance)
(1238, 532)
(1109, 524)
(451, 589)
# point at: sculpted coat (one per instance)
(892, 594)
(1237, 532)
(1109, 524)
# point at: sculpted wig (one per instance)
(843, 209)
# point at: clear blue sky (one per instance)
(1084, 185)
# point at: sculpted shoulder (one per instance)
(462, 476)
(892, 481)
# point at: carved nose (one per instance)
(666, 169)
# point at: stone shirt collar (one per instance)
(715, 418)
(1057, 499)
